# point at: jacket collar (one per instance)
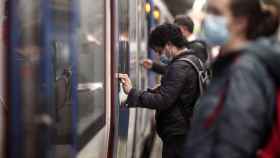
(225, 60)
(183, 54)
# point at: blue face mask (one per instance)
(164, 59)
(214, 30)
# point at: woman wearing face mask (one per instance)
(235, 116)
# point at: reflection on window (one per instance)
(26, 77)
(91, 75)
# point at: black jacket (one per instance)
(179, 87)
(239, 126)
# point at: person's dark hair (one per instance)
(261, 23)
(186, 21)
(165, 33)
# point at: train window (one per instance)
(91, 73)
(133, 42)
(91, 70)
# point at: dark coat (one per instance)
(180, 79)
(240, 125)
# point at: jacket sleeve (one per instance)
(159, 68)
(178, 74)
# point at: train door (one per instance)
(81, 77)
(134, 73)
(42, 63)
(58, 71)
(131, 41)
(139, 119)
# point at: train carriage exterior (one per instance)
(64, 99)
(59, 96)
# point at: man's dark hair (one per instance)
(165, 33)
(186, 21)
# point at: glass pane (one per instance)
(123, 31)
(133, 43)
(91, 75)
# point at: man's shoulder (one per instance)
(199, 48)
(181, 62)
(181, 66)
(189, 60)
(197, 44)
(250, 63)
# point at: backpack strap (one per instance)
(210, 120)
(199, 67)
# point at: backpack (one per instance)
(202, 71)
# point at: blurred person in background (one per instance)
(235, 116)
(175, 98)
(186, 25)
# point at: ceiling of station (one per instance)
(178, 6)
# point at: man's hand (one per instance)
(147, 63)
(127, 86)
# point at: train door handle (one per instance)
(122, 95)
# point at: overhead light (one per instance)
(156, 14)
(148, 7)
(198, 5)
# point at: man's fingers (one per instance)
(122, 80)
(147, 61)
(122, 75)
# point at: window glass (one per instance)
(133, 43)
(91, 68)
(91, 74)
(123, 34)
